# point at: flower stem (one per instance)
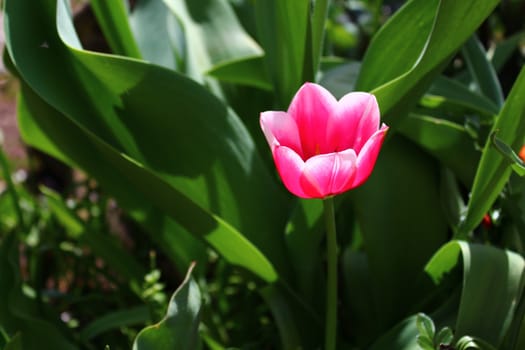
(331, 280)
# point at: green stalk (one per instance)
(331, 279)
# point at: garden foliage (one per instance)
(168, 126)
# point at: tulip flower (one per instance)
(321, 146)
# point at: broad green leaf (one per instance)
(494, 170)
(482, 71)
(456, 96)
(152, 19)
(213, 34)
(390, 215)
(176, 242)
(114, 320)
(340, 79)
(179, 327)
(283, 29)
(215, 191)
(491, 284)
(449, 142)
(112, 17)
(246, 71)
(414, 46)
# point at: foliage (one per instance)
(166, 125)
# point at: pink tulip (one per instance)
(321, 146)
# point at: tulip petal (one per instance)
(311, 107)
(354, 121)
(280, 129)
(290, 167)
(328, 174)
(366, 159)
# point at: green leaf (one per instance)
(515, 161)
(505, 49)
(425, 343)
(283, 28)
(494, 170)
(152, 19)
(401, 337)
(179, 327)
(449, 142)
(444, 336)
(213, 34)
(425, 326)
(414, 46)
(215, 191)
(491, 283)
(114, 320)
(482, 71)
(473, 343)
(449, 94)
(112, 17)
(389, 214)
(246, 71)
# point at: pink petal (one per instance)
(355, 119)
(366, 159)
(289, 166)
(311, 108)
(280, 129)
(328, 174)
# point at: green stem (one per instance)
(331, 279)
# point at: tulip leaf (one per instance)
(179, 327)
(282, 27)
(112, 17)
(491, 283)
(216, 191)
(494, 170)
(482, 71)
(447, 141)
(401, 62)
(388, 222)
(152, 19)
(446, 91)
(246, 71)
(213, 34)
